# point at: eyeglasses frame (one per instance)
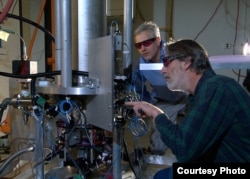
(168, 59)
(145, 43)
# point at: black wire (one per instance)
(209, 20)
(47, 74)
(69, 153)
(47, 32)
(129, 159)
(23, 56)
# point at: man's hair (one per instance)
(150, 27)
(190, 48)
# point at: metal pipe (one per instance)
(66, 71)
(116, 158)
(117, 132)
(58, 40)
(128, 9)
(91, 24)
(12, 157)
(58, 34)
(39, 145)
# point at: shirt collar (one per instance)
(205, 76)
(163, 50)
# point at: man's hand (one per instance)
(144, 109)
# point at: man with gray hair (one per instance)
(150, 84)
(216, 128)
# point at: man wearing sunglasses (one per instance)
(150, 84)
(216, 128)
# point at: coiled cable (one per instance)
(138, 127)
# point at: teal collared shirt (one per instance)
(217, 127)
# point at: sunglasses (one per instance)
(168, 59)
(145, 43)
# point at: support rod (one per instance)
(66, 43)
(128, 9)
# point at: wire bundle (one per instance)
(138, 127)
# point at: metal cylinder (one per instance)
(91, 24)
(66, 44)
(128, 13)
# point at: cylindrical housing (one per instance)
(91, 24)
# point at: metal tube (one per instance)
(58, 34)
(39, 156)
(66, 71)
(12, 157)
(117, 132)
(116, 158)
(128, 9)
(58, 40)
(91, 24)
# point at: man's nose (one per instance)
(163, 69)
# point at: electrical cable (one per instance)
(69, 154)
(235, 36)
(129, 159)
(138, 10)
(236, 25)
(3, 106)
(137, 126)
(209, 20)
(22, 42)
(47, 32)
(170, 34)
(3, 166)
(46, 74)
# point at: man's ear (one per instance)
(158, 40)
(187, 63)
